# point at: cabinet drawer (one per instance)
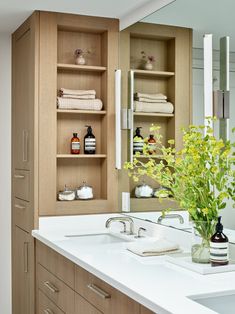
(46, 306)
(21, 184)
(55, 263)
(55, 290)
(84, 307)
(22, 215)
(104, 297)
(144, 310)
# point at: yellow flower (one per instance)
(205, 211)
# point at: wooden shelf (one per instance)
(152, 114)
(97, 112)
(153, 73)
(80, 156)
(148, 157)
(153, 204)
(84, 68)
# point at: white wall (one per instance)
(5, 171)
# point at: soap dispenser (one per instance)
(219, 246)
(89, 141)
(138, 141)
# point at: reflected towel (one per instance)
(142, 99)
(78, 92)
(79, 104)
(153, 107)
(151, 96)
(78, 96)
(153, 248)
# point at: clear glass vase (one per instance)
(202, 232)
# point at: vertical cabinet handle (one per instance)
(51, 287)
(101, 293)
(25, 145)
(118, 133)
(19, 206)
(26, 257)
(48, 311)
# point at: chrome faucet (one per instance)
(170, 216)
(122, 220)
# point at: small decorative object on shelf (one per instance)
(143, 191)
(89, 141)
(84, 192)
(147, 61)
(200, 177)
(219, 250)
(161, 192)
(151, 145)
(80, 56)
(66, 195)
(75, 144)
(138, 141)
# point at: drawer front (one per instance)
(46, 306)
(56, 290)
(104, 297)
(84, 307)
(144, 310)
(56, 264)
(22, 216)
(22, 184)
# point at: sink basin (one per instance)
(221, 304)
(93, 239)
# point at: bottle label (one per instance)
(75, 145)
(152, 146)
(90, 144)
(138, 146)
(219, 252)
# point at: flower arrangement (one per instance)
(146, 58)
(80, 52)
(201, 176)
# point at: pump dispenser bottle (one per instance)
(219, 254)
(89, 141)
(138, 141)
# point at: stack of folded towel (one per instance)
(78, 99)
(156, 103)
(153, 247)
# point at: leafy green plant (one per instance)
(201, 176)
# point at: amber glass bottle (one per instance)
(151, 145)
(75, 144)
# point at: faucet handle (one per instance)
(139, 233)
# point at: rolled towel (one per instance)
(151, 96)
(80, 92)
(153, 248)
(153, 107)
(78, 96)
(79, 104)
(142, 99)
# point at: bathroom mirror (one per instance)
(201, 19)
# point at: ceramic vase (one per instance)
(148, 65)
(80, 60)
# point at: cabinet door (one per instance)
(21, 272)
(144, 310)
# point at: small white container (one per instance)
(66, 195)
(84, 192)
(143, 191)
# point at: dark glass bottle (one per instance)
(219, 246)
(138, 141)
(75, 144)
(89, 141)
(151, 145)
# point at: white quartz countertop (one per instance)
(152, 281)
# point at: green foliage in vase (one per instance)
(201, 176)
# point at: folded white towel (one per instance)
(143, 99)
(153, 248)
(65, 91)
(153, 107)
(79, 104)
(78, 96)
(151, 96)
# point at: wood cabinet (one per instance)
(79, 292)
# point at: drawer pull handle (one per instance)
(26, 257)
(19, 206)
(101, 293)
(51, 287)
(19, 176)
(48, 311)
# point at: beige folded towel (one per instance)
(143, 99)
(153, 107)
(79, 104)
(151, 96)
(78, 96)
(153, 248)
(80, 92)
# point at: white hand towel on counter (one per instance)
(79, 104)
(153, 107)
(80, 92)
(151, 96)
(153, 248)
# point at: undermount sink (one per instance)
(221, 304)
(93, 239)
